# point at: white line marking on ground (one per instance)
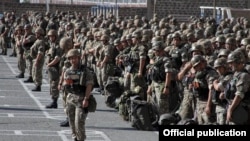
(11, 115)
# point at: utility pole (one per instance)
(47, 5)
(214, 11)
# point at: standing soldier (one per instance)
(53, 59)
(20, 51)
(37, 52)
(4, 30)
(28, 40)
(79, 92)
(219, 86)
(202, 88)
(237, 91)
(137, 63)
(66, 43)
(161, 73)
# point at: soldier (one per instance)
(237, 91)
(20, 51)
(202, 86)
(28, 40)
(137, 63)
(37, 52)
(219, 86)
(53, 59)
(78, 94)
(163, 81)
(4, 29)
(66, 43)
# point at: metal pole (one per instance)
(47, 5)
(155, 6)
(214, 11)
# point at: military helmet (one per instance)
(145, 38)
(150, 53)
(136, 34)
(156, 39)
(197, 47)
(27, 26)
(117, 41)
(89, 33)
(73, 52)
(52, 32)
(236, 56)
(39, 30)
(169, 119)
(220, 39)
(196, 60)
(66, 43)
(104, 38)
(158, 45)
(245, 41)
(223, 52)
(19, 27)
(176, 35)
(220, 62)
(164, 32)
(231, 41)
(129, 36)
(123, 38)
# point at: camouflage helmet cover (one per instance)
(73, 52)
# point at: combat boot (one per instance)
(21, 75)
(37, 89)
(29, 80)
(52, 104)
(65, 123)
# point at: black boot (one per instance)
(65, 123)
(53, 104)
(29, 80)
(21, 75)
(37, 89)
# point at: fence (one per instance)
(88, 1)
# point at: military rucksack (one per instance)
(143, 115)
(113, 90)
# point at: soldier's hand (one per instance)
(166, 91)
(207, 110)
(85, 103)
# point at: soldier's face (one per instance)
(74, 61)
(233, 66)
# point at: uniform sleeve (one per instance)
(142, 52)
(212, 75)
(89, 78)
(242, 85)
(168, 66)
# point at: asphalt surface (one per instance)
(23, 116)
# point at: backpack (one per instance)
(113, 90)
(142, 114)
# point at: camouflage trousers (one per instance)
(29, 62)
(162, 100)
(106, 71)
(77, 116)
(220, 111)
(64, 100)
(3, 45)
(54, 92)
(202, 117)
(37, 73)
(187, 107)
(21, 64)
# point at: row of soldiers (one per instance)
(167, 63)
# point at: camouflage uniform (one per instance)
(219, 86)
(237, 91)
(37, 52)
(203, 80)
(4, 29)
(53, 59)
(162, 81)
(27, 41)
(77, 97)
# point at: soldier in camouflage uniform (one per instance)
(237, 90)
(202, 87)
(161, 73)
(219, 85)
(137, 63)
(53, 59)
(19, 51)
(27, 41)
(66, 43)
(78, 95)
(4, 30)
(37, 52)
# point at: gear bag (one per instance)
(143, 115)
(113, 90)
